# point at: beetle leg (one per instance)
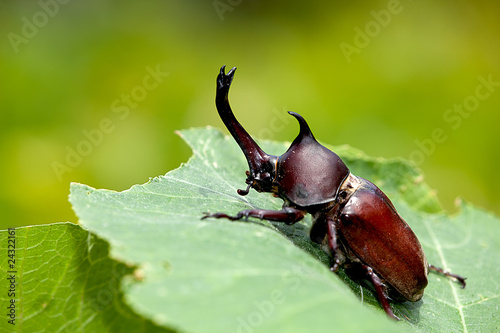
(381, 291)
(439, 270)
(287, 215)
(338, 256)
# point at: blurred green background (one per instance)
(92, 91)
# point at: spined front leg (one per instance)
(337, 254)
(287, 215)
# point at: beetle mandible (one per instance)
(350, 215)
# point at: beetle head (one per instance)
(309, 173)
(262, 166)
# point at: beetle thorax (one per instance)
(310, 174)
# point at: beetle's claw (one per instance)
(207, 215)
(219, 216)
(455, 277)
(461, 280)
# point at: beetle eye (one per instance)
(342, 195)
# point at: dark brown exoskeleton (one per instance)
(352, 216)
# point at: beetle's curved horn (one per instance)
(259, 162)
(305, 131)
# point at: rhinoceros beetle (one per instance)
(350, 215)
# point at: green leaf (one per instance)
(63, 281)
(193, 275)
